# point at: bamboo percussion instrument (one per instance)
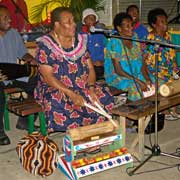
(84, 132)
(13, 71)
(170, 88)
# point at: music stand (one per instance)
(156, 151)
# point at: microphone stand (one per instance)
(155, 150)
(146, 41)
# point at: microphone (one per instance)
(100, 30)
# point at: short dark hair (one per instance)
(56, 14)
(132, 6)
(119, 18)
(152, 15)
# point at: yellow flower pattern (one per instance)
(166, 58)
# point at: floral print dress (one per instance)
(166, 59)
(70, 67)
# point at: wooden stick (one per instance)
(101, 112)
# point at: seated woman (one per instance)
(123, 60)
(66, 76)
(167, 66)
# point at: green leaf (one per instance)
(77, 7)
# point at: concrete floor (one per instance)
(168, 139)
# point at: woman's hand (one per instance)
(77, 99)
(93, 96)
(149, 83)
(143, 86)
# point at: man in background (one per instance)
(12, 48)
(18, 12)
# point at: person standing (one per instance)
(96, 41)
(138, 28)
(12, 48)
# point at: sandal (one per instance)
(170, 117)
(174, 114)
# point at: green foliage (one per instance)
(36, 11)
(77, 6)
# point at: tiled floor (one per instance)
(168, 139)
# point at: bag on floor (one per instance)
(38, 154)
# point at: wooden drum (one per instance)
(170, 88)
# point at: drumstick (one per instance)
(101, 109)
(100, 112)
(107, 115)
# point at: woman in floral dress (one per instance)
(166, 62)
(67, 77)
(167, 66)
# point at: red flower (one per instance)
(57, 97)
(72, 68)
(47, 106)
(73, 125)
(89, 110)
(55, 68)
(99, 93)
(53, 56)
(67, 81)
(78, 108)
(68, 107)
(43, 56)
(101, 119)
(86, 121)
(74, 115)
(59, 118)
(109, 106)
(81, 81)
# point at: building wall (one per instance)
(112, 7)
(106, 15)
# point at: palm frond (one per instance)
(77, 7)
(36, 11)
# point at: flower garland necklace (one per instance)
(70, 60)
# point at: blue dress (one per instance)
(132, 66)
(70, 67)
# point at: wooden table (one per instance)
(143, 116)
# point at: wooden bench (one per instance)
(28, 107)
(9, 91)
(143, 117)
